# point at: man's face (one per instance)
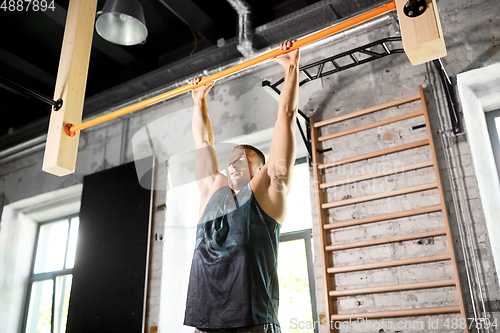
(243, 165)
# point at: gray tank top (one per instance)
(234, 280)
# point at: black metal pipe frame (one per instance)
(56, 104)
(356, 62)
(450, 95)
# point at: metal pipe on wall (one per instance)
(22, 146)
(23, 153)
(463, 223)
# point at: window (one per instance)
(297, 311)
(51, 276)
(298, 215)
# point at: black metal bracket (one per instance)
(449, 92)
(414, 8)
(56, 104)
(318, 68)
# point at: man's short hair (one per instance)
(261, 155)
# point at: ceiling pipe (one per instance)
(245, 32)
(22, 146)
(22, 153)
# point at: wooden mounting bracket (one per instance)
(422, 35)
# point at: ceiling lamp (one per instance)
(122, 22)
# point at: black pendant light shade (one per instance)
(122, 22)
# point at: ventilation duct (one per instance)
(245, 33)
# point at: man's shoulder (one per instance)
(270, 198)
(261, 181)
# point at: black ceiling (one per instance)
(30, 45)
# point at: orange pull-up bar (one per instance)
(70, 130)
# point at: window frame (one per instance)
(494, 136)
(306, 235)
(46, 275)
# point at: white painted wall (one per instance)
(480, 92)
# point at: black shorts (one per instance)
(265, 328)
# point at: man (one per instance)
(233, 285)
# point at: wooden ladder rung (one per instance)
(366, 111)
(377, 196)
(392, 263)
(372, 125)
(375, 154)
(396, 287)
(385, 240)
(398, 313)
(384, 217)
(377, 174)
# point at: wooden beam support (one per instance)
(422, 36)
(371, 125)
(398, 313)
(381, 195)
(396, 149)
(391, 263)
(366, 111)
(61, 149)
(396, 287)
(377, 174)
(386, 240)
(383, 217)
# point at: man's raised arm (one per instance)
(282, 153)
(206, 160)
